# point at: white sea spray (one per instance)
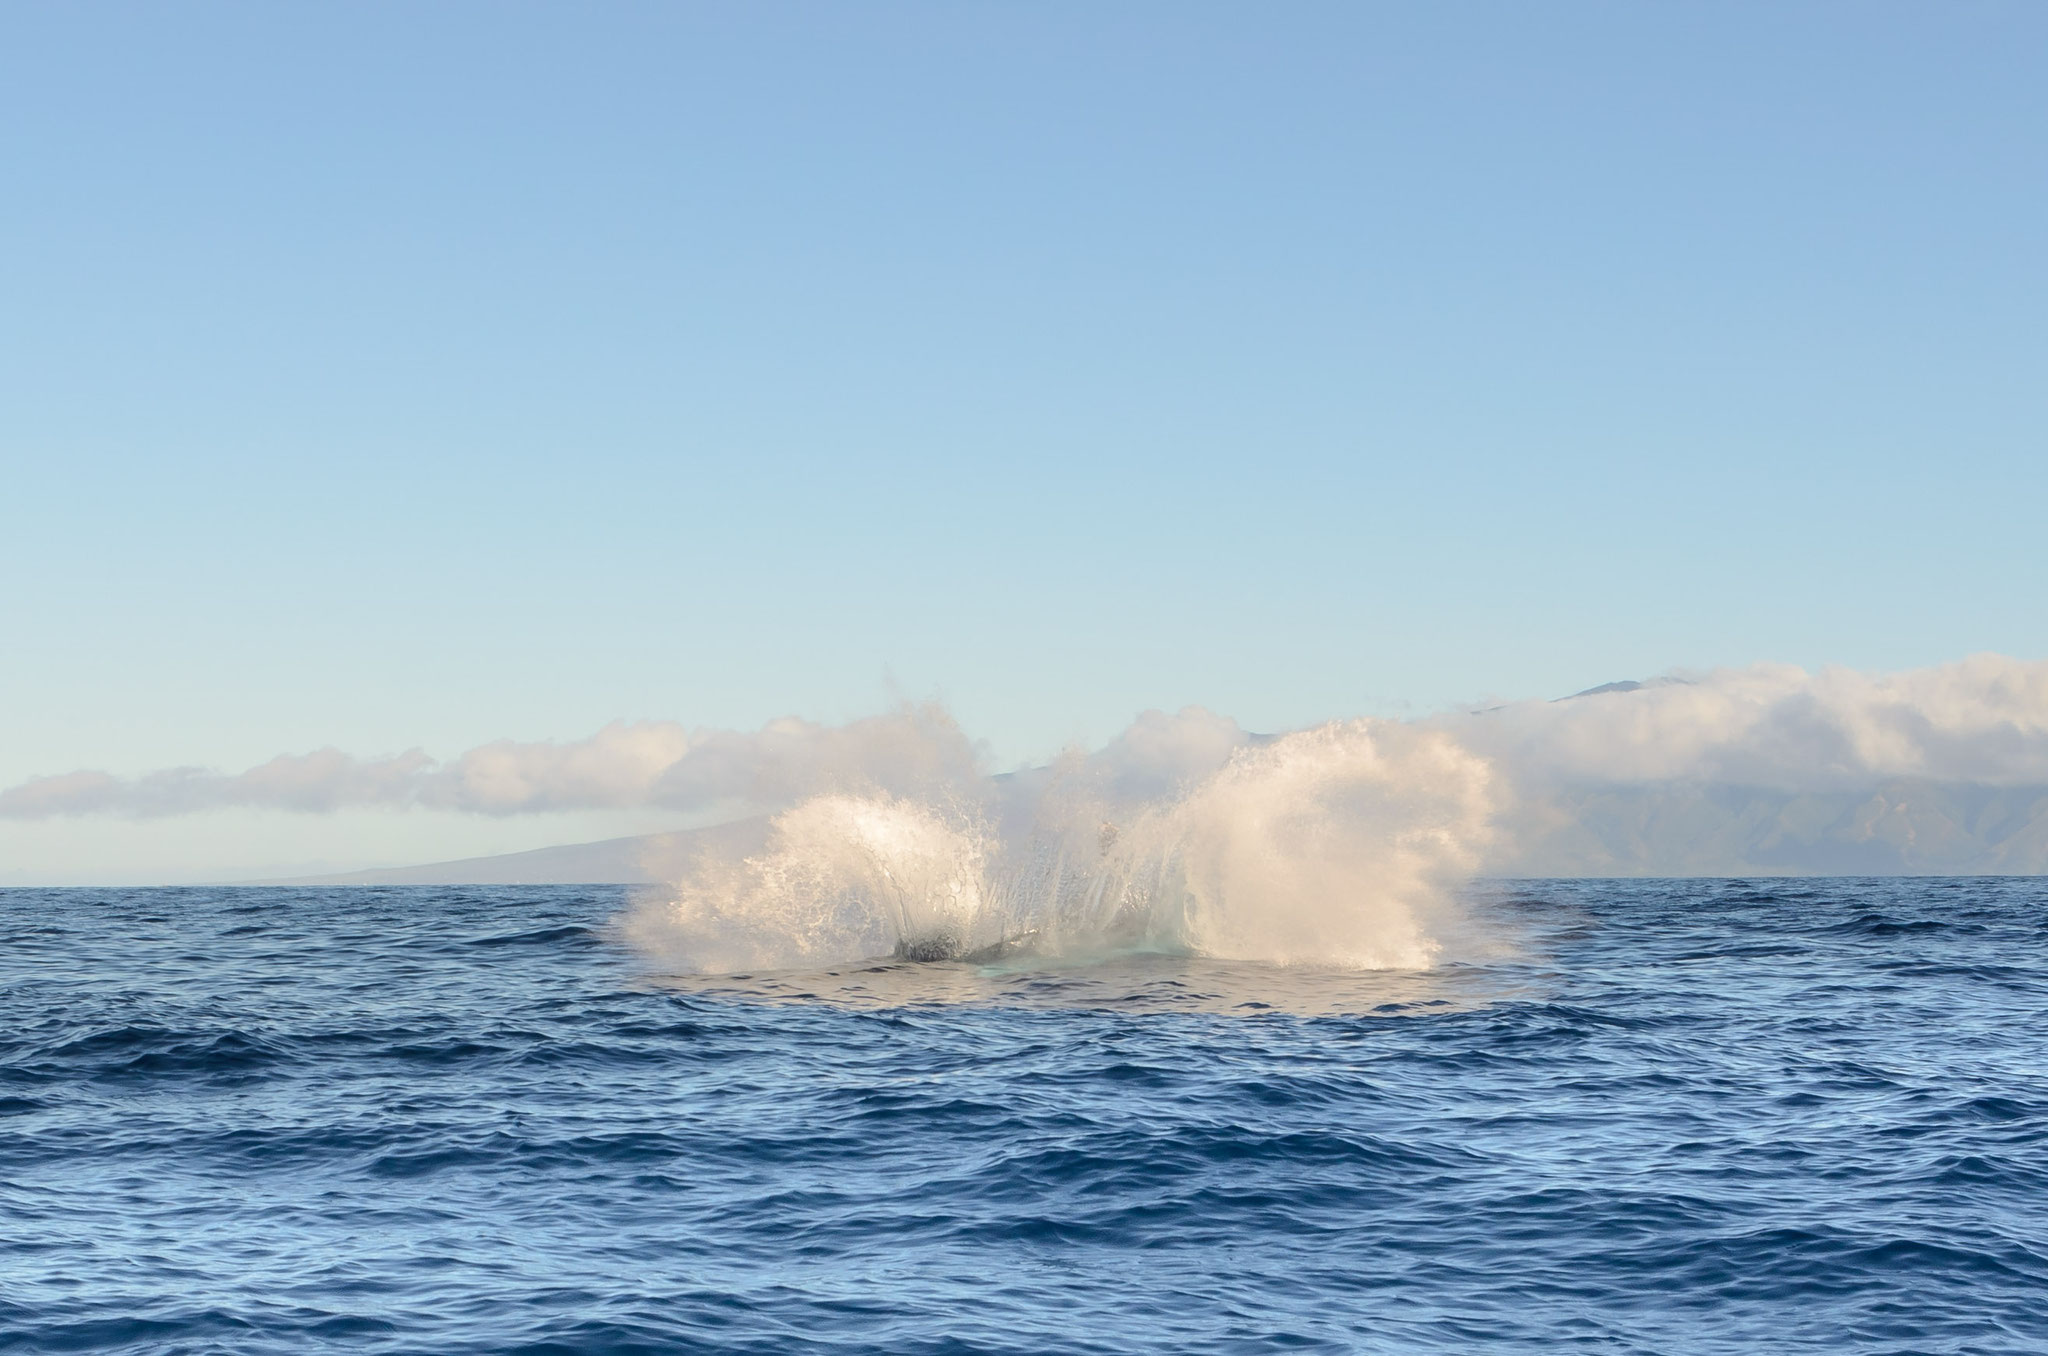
(1336, 846)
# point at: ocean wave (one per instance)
(1675, 1116)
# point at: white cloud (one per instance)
(1981, 720)
(326, 779)
(625, 765)
(1767, 767)
(619, 766)
(912, 749)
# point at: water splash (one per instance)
(1333, 846)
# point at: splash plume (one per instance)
(1336, 845)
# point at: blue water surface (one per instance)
(1659, 1117)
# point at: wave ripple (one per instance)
(1662, 1116)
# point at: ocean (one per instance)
(1644, 1116)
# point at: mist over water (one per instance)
(1339, 846)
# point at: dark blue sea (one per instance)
(1660, 1117)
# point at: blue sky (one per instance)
(420, 375)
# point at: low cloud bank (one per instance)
(1770, 770)
(1758, 769)
(1981, 720)
(625, 765)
